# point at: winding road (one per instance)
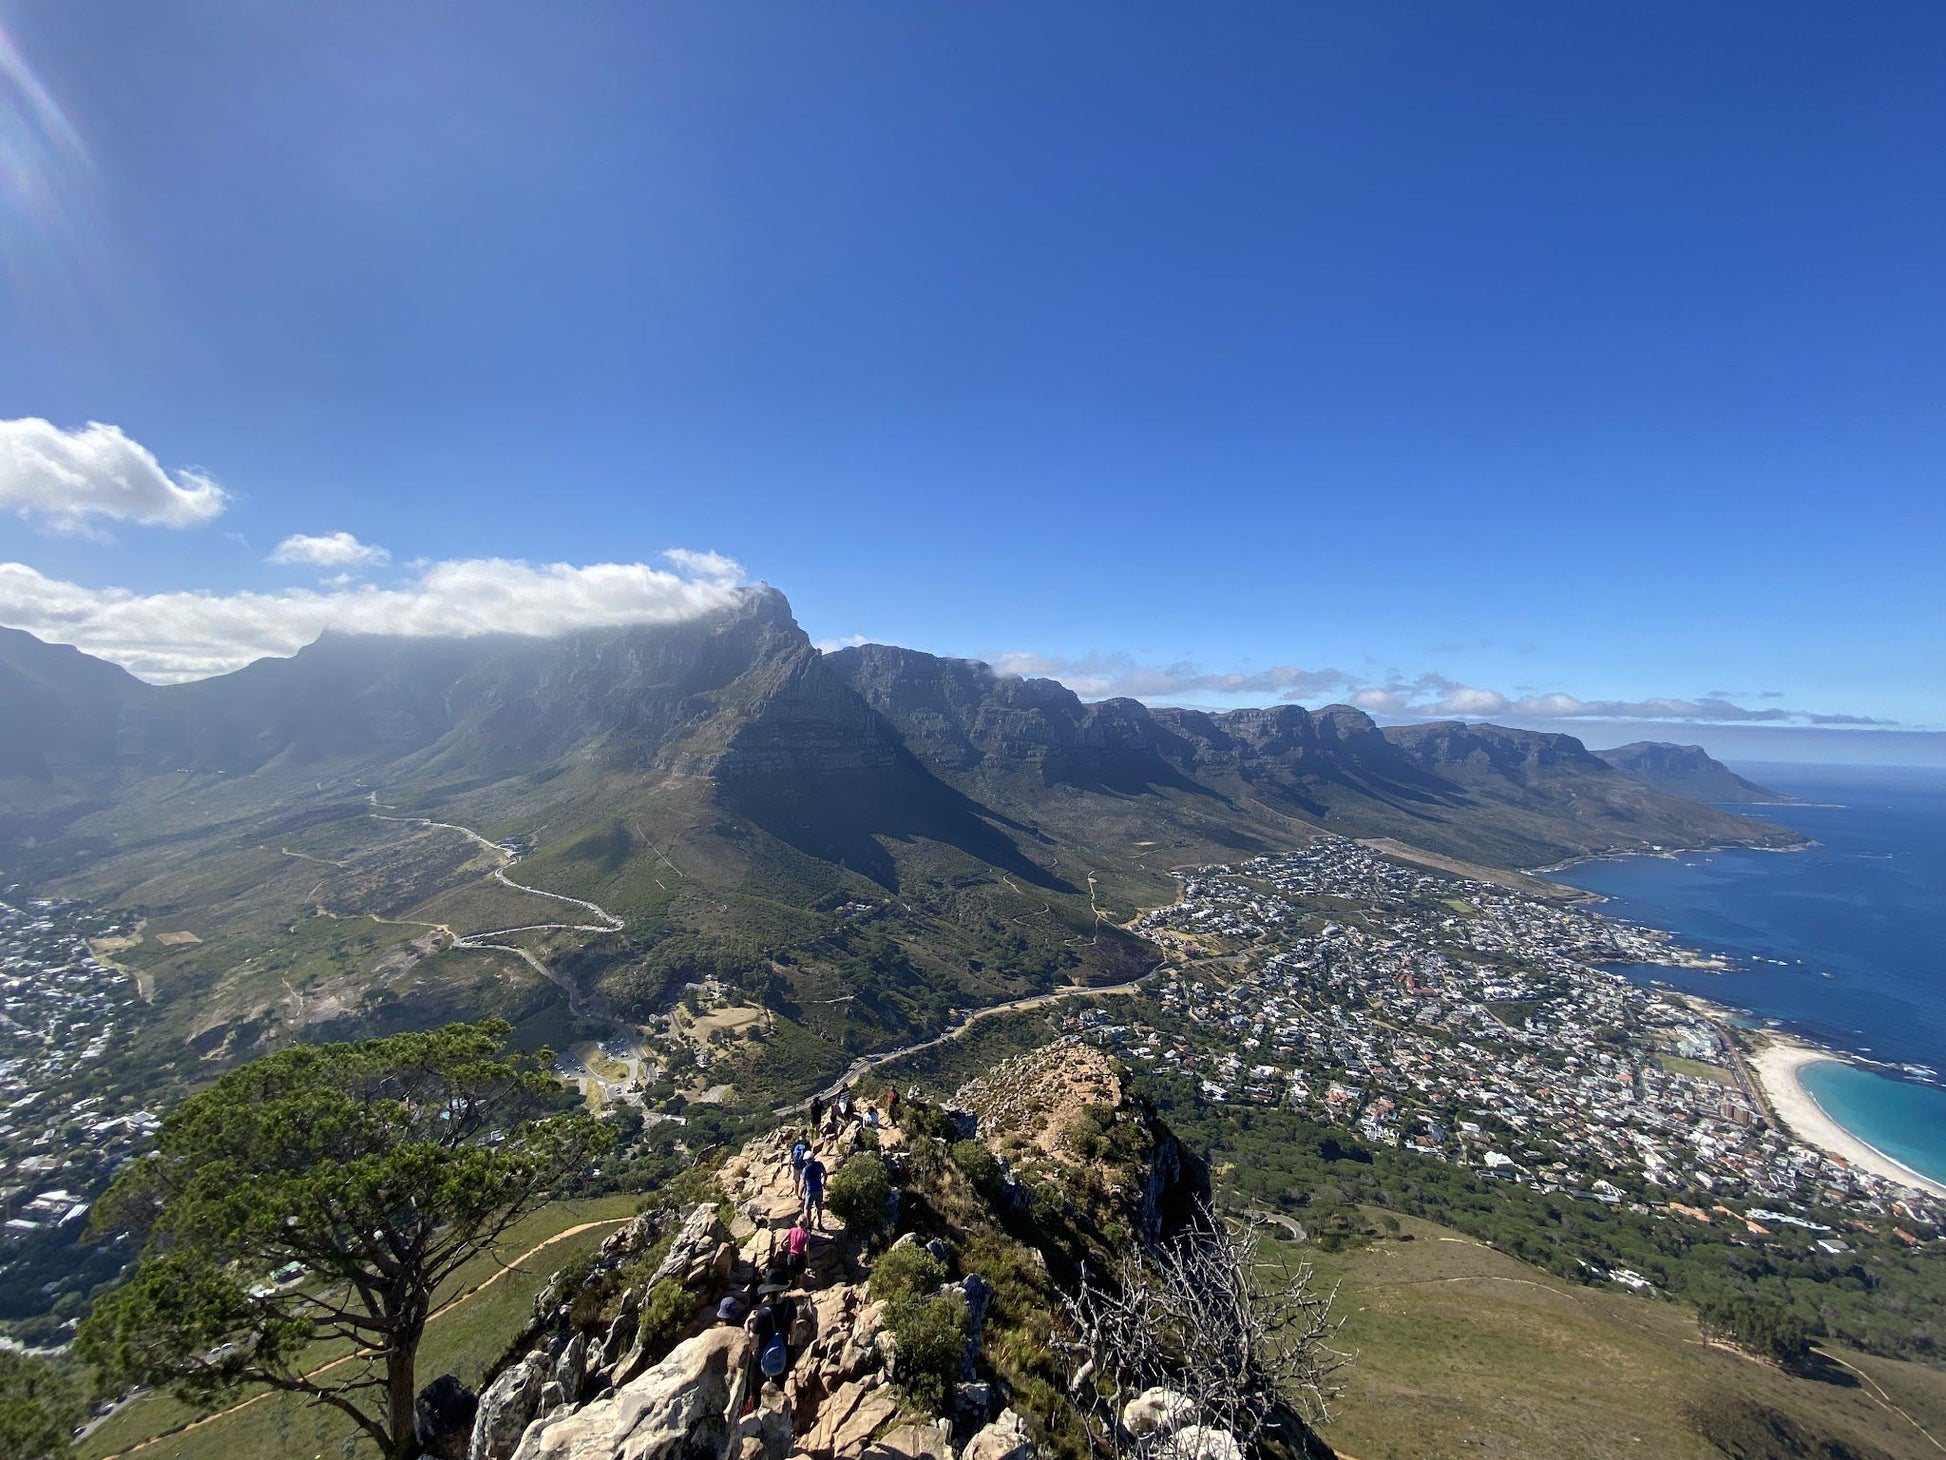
(610, 923)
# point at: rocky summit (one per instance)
(984, 1209)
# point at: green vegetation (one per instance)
(981, 1167)
(857, 1192)
(1462, 1350)
(907, 1271)
(931, 1335)
(41, 1400)
(1675, 1064)
(1762, 1326)
(484, 1307)
(381, 1169)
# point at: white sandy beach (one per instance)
(1776, 1066)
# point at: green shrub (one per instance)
(907, 1272)
(858, 1191)
(923, 1119)
(665, 1312)
(981, 1167)
(931, 1335)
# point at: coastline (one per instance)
(1664, 854)
(1777, 1063)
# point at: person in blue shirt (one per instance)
(812, 1176)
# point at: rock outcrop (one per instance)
(681, 1409)
(628, 1367)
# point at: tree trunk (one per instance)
(401, 1387)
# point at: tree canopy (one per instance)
(380, 1167)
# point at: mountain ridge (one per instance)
(860, 841)
(1689, 771)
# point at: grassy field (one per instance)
(1676, 1065)
(1462, 1351)
(463, 1340)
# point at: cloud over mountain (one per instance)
(187, 635)
(1103, 676)
(1428, 697)
(67, 480)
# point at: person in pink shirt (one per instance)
(797, 1246)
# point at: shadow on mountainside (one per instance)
(843, 819)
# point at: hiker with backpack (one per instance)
(800, 1153)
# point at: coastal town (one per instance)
(1460, 1020)
(63, 1132)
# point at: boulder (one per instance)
(506, 1407)
(1005, 1439)
(978, 1293)
(848, 1418)
(972, 1403)
(861, 1351)
(678, 1410)
(1156, 1412)
(693, 1248)
(912, 1442)
(570, 1368)
(442, 1418)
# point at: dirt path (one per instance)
(437, 1314)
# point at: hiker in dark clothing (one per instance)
(813, 1179)
(891, 1102)
(817, 1111)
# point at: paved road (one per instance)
(864, 1063)
(610, 923)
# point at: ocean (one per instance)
(1844, 944)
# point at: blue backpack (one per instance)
(775, 1358)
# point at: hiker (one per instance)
(800, 1153)
(871, 1117)
(843, 1107)
(797, 1247)
(891, 1101)
(813, 1176)
(817, 1111)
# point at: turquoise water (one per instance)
(1844, 944)
(1906, 1121)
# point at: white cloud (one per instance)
(1104, 676)
(332, 550)
(1463, 699)
(1428, 697)
(712, 566)
(67, 479)
(832, 646)
(188, 635)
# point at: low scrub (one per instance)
(858, 1192)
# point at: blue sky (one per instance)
(1548, 363)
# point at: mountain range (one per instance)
(863, 839)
